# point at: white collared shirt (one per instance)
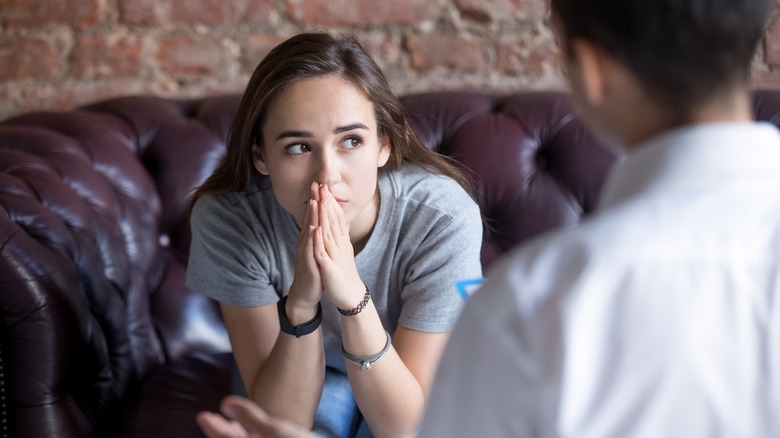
(658, 316)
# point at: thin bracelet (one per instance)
(365, 363)
(359, 308)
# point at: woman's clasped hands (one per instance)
(326, 258)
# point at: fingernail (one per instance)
(311, 228)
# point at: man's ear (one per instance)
(595, 68)
(258, 158)
(384, 150)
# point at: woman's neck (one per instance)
(362, 227)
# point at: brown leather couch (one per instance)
(99, 335)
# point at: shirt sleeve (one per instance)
(226, 261)
(448, 253)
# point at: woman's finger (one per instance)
(325, 219)
(336, 216)
(314, 220)
(255, 419)
(315, 191)
(217, 426)
(310, 218)
(340, 222)
(305, 222)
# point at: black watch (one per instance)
(297, 330)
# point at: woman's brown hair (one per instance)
(310, 55)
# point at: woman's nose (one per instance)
(327, 169)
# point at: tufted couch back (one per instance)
(93, 237)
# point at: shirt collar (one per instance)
(696, 153)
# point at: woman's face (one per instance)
(323, 130)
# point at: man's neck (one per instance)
(726, 107)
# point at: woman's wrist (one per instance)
(299, 310)
(299, 314)
(348, 295)
(352, 311)
(295, 328)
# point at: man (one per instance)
(658, 316)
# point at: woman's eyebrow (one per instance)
(286, 134)
(351, 127)
(307, 134)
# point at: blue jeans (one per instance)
(337, 414)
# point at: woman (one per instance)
(333, 239)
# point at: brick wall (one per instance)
(55, 54)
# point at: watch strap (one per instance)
(301, 329)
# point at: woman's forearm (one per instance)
(389, 396)
(289, 383)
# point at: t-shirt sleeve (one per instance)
(448, 253)
(226, 260)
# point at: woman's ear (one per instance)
(384, 151)
(258, 157)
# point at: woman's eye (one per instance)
(297, 149)
(352, 143)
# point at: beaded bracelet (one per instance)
(359, 308)
(366, 362)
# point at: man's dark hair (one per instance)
(682, 51)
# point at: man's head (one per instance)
(681, 52)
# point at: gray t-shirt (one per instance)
(427, 237)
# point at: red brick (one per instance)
(41, 13)
(46, 97)
(89, 92)
(765, 81)
(8, 106)
(106, 56)
(232, 87)
(360, 13)
(28, 58)
(151, 12)
(254, 48)
(85, 13)
(383, 47)
(530, 10)
(529, 56)
(192, 56)
(160, 87)
(484, 11)
(59, 97)
(220, 11)
(440, 50)
(30, 13)
(141, 12)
